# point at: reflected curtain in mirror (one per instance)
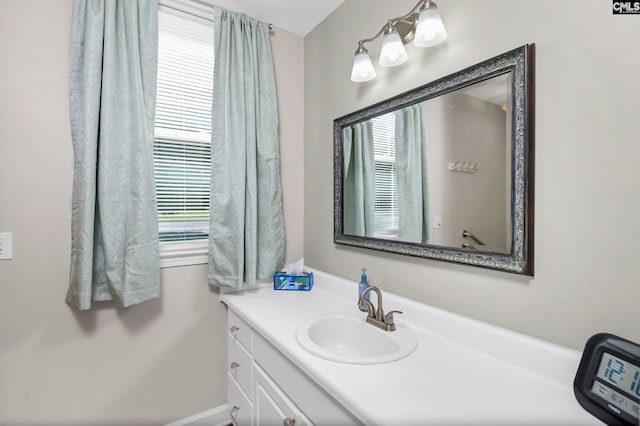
(412, 175)
(359, 185)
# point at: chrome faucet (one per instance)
(376, 316)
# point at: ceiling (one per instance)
(493, 90)
(296, 16)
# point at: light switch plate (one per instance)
(6, 246)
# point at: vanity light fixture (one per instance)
(422, 24)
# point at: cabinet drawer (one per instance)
(240, 407)
(239, 329)
(239, 363)
(272, 406)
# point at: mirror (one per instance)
(444, 171)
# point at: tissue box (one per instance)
(296, 282)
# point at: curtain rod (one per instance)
(210, 3)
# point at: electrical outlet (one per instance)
(437, 222)
(6, 246)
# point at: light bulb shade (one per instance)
(430, 28)
(392, 53)
(362, 68)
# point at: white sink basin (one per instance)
(350, 340)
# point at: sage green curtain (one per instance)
(412, 175)
(246, 233)
(112, 90)
(358, 179)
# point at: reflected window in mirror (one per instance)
(386, 188)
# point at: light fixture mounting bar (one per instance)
(393, 21)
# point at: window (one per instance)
(385, 215)
(182, 143)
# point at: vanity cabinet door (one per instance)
(272, 406)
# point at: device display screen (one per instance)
(623, 376)
(607, 383)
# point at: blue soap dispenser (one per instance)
(364, 307)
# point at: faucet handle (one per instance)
(388, 319)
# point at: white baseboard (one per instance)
(218, 416)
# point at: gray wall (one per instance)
(587, 193)
(463, 128)
(149, 364)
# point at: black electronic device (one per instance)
(607, 383)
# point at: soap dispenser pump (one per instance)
(364, 307)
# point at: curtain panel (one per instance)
(358, 179)
(412, 175)
(112, 91)
(246, 232)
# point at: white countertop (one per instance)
(463, 372)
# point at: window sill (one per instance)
(184, 253)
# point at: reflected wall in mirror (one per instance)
(444, 171)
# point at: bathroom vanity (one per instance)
(266, 388)
(461, 371)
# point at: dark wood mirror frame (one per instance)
(521, 62)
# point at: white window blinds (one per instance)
(182, 145)
(386, 193)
